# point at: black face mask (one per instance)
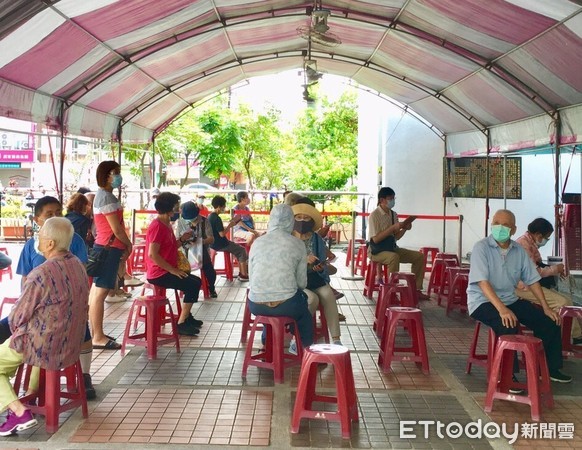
(303, 226)
(175, 217)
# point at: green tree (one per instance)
(325, 145)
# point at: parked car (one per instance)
(199, 187)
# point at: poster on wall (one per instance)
(467, 177)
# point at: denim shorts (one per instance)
(109, 276)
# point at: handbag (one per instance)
(195, 257)
(97, 257)
(183, 263)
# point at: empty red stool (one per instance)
(411, 318)
(437, 275)
(568, 314)
(429, 254)
(390, 295)
(346, 398)
(457, 289)
(7, 270)
(410, 280)
(47, 401)
(449, 256)
(273, 357)
(481, 359)
(370, 285)
(356, 244)
(361, 260)
(227, 270)
(538, 377)
(151, 337)
(136, 261)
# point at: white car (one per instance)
(199, 187)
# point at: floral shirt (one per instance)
(48, 322)
(529, 245)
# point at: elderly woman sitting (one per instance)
(48, 322)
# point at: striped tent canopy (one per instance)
(124, 69)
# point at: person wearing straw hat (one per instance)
(307, 221)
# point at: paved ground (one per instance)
(197, 399)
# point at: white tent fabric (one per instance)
(123, 69)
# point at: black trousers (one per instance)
(208, 269)
(189, 285)
(532, 317)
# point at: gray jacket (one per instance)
(277, 260)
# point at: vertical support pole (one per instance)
(446, 189)
(488, 134)
(352, 275)
(133, 226)
(504, 182)
(62, 153)
(460, 244)
(363, 219)
(557, 221)
(154, 184)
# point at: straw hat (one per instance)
(308, 210)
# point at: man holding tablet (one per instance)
(384, 230)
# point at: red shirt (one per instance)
(203, 210)
(161, 234)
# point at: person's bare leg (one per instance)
(244, 268)
(96, 312)
(186, 308)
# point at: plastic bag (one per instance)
(195, 254)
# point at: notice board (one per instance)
(467, 177)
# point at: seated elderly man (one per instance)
(48, 322)
(278, 274)
(498, 264)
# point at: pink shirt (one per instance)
(106, 204)
(529, 245)
(161, 234)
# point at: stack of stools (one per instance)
(155, 307)
(411, 318)
(437, 275)
(357, 244)
(273, 357)
(390, 295)
(227, 271)
(346, 398)
(568, 314)
(370, 285)
(429, 257)
(47, 400)
(458, 284)
(362, 260)
(538, 377)
(481, 359)
(136, 261)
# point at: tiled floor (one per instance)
(198, 399)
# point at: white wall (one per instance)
(410, 157)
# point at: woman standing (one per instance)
(162, 260)
(108, 217)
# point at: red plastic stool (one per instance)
(361, 260)
(273, 357)
(370, 285)
(449, 256)
(390, 295)
(136, 261)
(227, 271)
(538, 377)
(481, 359)
(568, 314)
(204, 286)
(7, 270)
(151, 337)
(429, 257)
(437, 275)
(7, 301)
(457, 298)
(410, 280)
(412, 319)
(158, 291)
(357, 245)
(346, 398)
(49, 395)
(247, 319)
(320, 330)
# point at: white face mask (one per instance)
(543, 242)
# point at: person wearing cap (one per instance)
(277, 274)
(383, 229)
(192, 220)
(307, 220)
(154, 194)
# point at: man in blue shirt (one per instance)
(497, 265)
(45, 208)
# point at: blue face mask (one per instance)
(175, 217)
(391, 203)
(500, 233)
(117, 181)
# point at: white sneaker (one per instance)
(132, 282)
(115, 299)
(293, 347)
(337, 342)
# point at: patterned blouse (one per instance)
(48, 322)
